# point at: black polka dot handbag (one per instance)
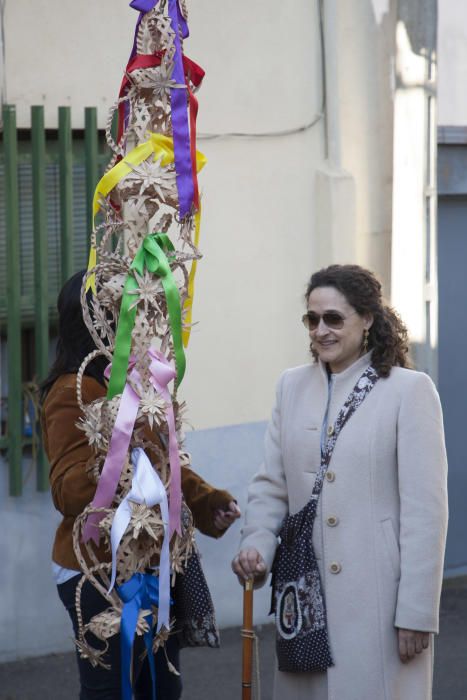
(195, 620)
(298, 602)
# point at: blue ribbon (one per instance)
(140, 592)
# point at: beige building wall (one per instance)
(263, 76)
(359, 38)
(275, 207)
(76, 53)
(452, 62)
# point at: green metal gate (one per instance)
(47, 182)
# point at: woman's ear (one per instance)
(368, 321)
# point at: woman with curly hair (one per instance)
(356, 445)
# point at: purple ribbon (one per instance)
(182, 22)
(142, 6)
(181, 132)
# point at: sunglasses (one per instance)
(332, 319)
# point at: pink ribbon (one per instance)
(162, 373)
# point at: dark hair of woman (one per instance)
(388, 336)
(74, 340)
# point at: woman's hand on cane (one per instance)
(248, 564)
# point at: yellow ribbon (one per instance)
(163, 148)
(188, 305)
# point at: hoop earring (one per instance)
(366, 334)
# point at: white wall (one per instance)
(65, 53)
(452, 73)
(359, 60)
(258, 204)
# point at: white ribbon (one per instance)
(146, 487)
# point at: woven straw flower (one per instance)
(148, 287)
(153, 407)
(101, 323)
(92, 425)
(158, 80)
(152, 176)
(144, 519)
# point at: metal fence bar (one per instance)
(41, 291)
(91, 161)
(65, 146)
(13, 285)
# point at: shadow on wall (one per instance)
(227, 458)
(33, 622)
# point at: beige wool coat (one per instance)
(380, 530)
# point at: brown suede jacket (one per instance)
(68, 451)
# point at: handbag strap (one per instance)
(360, 391)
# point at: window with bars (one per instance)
(52, 196)
(47, 180)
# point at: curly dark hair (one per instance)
(388, 336)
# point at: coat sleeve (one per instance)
(203, 499)
(68, 452)
(267, 503)
(422, 471)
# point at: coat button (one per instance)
(335, 567)
(332, 520)
(330, 476)
(330, 431)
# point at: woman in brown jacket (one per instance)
(69, 452)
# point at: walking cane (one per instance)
(248, 635)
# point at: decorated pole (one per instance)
(137, 298)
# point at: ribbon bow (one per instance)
(162, 374)
(146, 487)
(162, 147)
(152, 256)
(139, 593)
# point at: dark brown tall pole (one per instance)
(248, 637)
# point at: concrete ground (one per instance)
(215, 674)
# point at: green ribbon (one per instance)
(153, 256)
